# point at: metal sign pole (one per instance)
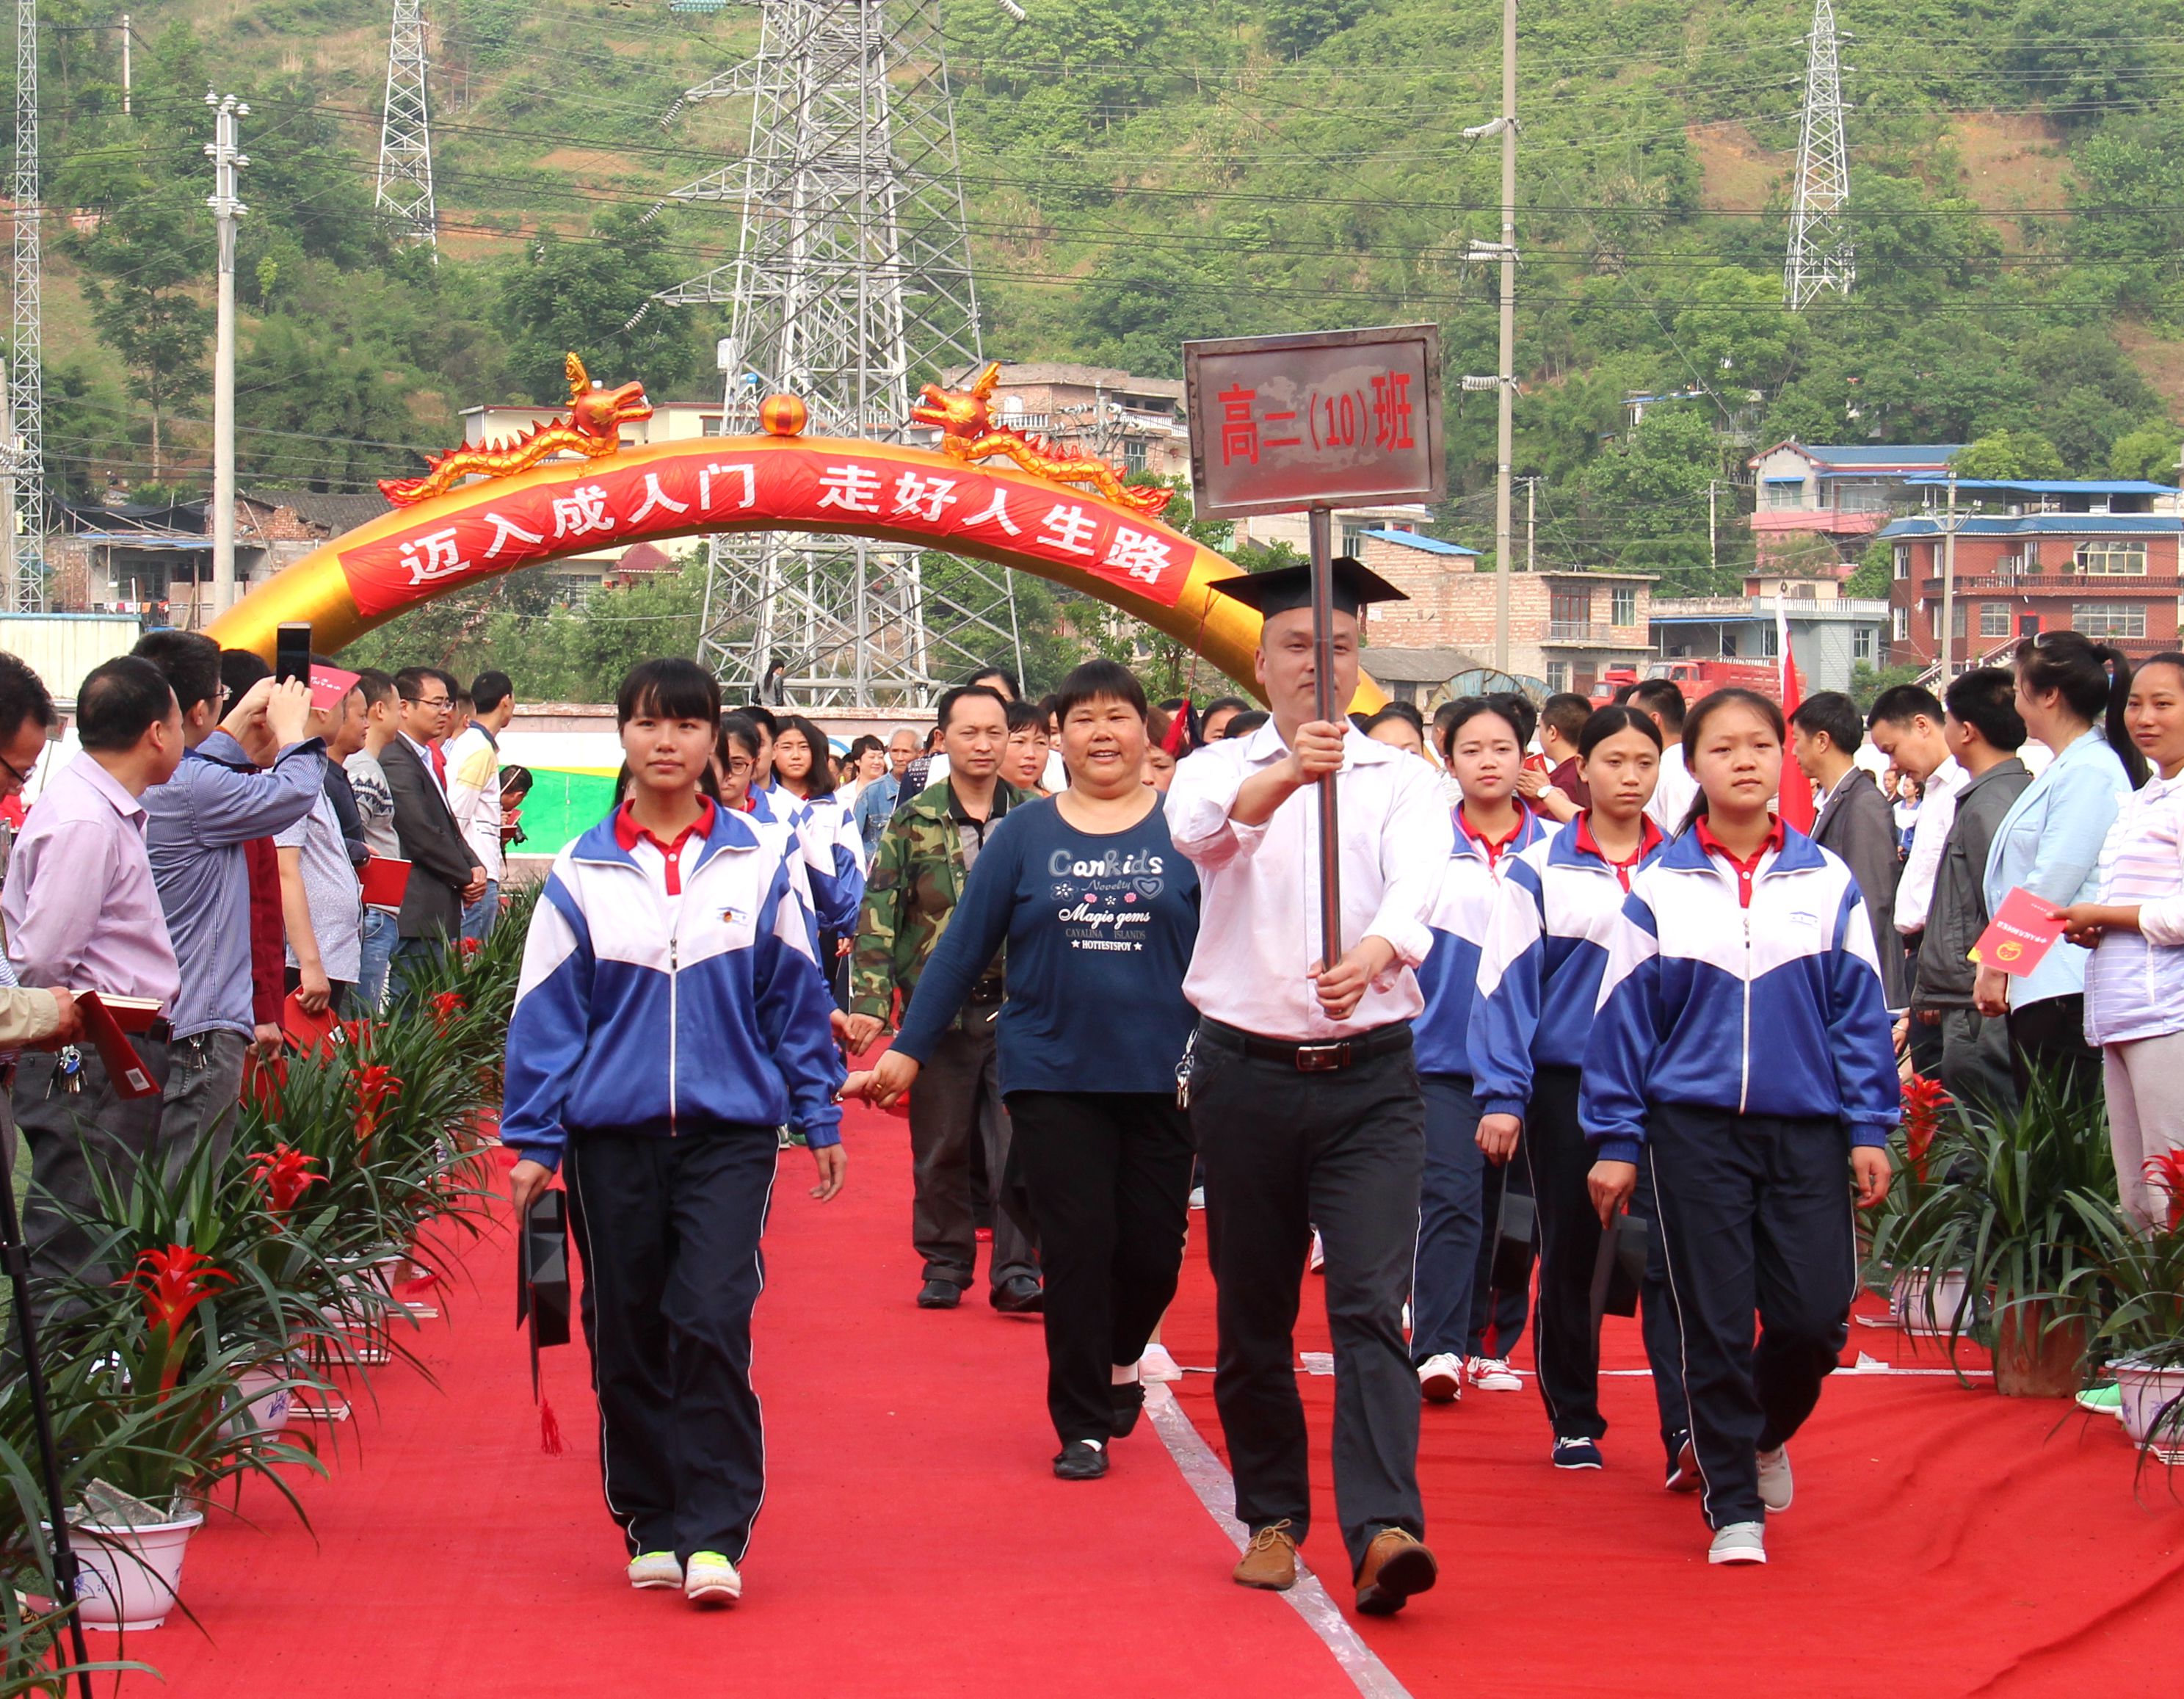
(1325, 707)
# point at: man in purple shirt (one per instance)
(82, 913)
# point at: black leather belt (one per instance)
(160, 1031)
(1328, 1056)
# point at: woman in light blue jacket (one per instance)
(2071, 692)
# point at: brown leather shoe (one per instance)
(1396, 1565)
(1269, 1560)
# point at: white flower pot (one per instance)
(269, 1397)
(2147, 1393)
(126, 1577)
(1950, 1303)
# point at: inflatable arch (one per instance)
(773, 482)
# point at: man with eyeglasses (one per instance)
(444, 872)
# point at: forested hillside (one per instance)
(1140, 172)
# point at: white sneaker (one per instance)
(1318, 1253)
(653, 1569)
(711, 1579)
(1440, 1378)
(1774, 1484)
(1741, 1542)
(1494, 1374)
(1198, 1197)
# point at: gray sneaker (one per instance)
(1775, 1487)
(1741, 1542)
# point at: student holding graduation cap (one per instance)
(671, 1016)
(1303, 1091)
(1742, 1053)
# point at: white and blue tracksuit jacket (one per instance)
(1774, 1010)
(1540, 965)
(826, 841)
(638, 1014)
(1470, 888)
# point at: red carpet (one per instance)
(913, 1542)
(1944, 1542)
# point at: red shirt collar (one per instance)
(1649, 840)
(1747, 868)
(628, 833)
(1493, 848)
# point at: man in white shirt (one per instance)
(474, 790)
(1662, 701)
(1303, 1093)
(1905, 725)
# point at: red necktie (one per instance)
(439, 764)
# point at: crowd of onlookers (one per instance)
(236, 859)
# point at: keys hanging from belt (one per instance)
(1183, 1071)
(68, 1064)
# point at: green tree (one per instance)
(313, 412)
(1295, 27)
(1737, 326)
(2009, 455)
(580, 295)
(1652, 488)
(2150, 452)
(147, 259)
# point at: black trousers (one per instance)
(1558, 1160)
(2050, 1035)
(668, 1229)
(1109, 1174)
(74, 1136)
(1756, 1214)
(1285, 1151)
(957, 1100)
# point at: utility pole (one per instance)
(1713, 551)
(127, 81)
(23, 453)
(1505, 378)
(1820, 257)
(1949, 585)
(1531, 521)
(226, 210)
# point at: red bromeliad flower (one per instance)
(1924, 1100)
(174, 1281)
(2166, 1171)
(285, 1173)
(447, 1006)
(356, 1034)
(471, 946)
(375, 1085)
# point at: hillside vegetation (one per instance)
(1137, 173)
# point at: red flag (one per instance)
(1795, 804)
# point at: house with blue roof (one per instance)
(2020, 556)
(1841, 493)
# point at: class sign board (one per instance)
(1331, 419)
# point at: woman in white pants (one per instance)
(2135, 981)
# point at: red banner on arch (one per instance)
(789, 487)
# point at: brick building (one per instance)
(2093, 555)
(1136, 422)
(1565, 627)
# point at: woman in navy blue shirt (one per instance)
(1099, 913)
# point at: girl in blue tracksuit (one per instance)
(1484, 747)
(833, 848)
(1538, 980)
(670, 1017)
(1742, 1053)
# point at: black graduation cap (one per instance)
(541, 1275)
(1515, 1232)
(1287, 587)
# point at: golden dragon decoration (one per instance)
(592, 427)
(968, 433)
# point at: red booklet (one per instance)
(2020, 935)
(329, 684)
(305, 1030)
(124, 1067)
(384, 880)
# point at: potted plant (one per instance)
(2002, 1208)
(1922, 1301)
(2139, 1277)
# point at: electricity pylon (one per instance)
(404, 197)
(1820, 255)
(22, 455)
(851, 282)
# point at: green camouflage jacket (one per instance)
(917, 876)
